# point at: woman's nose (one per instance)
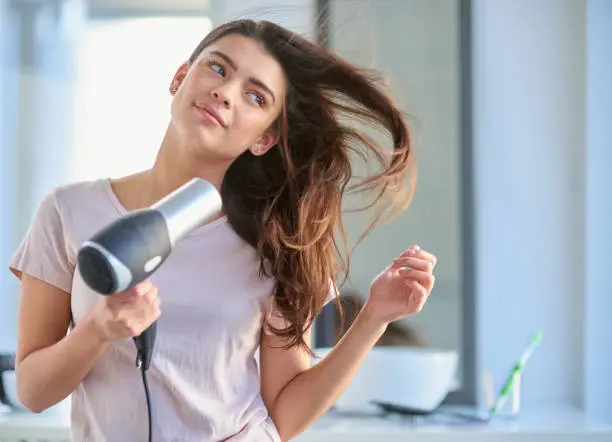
(221, 97)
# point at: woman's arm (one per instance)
(50, 363)
(296, 394)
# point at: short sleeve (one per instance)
(275, 319)
(333, 292)
(43, 253)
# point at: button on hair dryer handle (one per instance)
(145, 343)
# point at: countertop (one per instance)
(558, 424)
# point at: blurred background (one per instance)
(510, 106)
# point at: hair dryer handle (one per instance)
(145, 343)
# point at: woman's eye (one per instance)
(257, 98)
(218, 69)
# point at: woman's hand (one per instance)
(127, 314)
(403, 287)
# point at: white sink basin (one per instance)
(418, 379)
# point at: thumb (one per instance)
(142, 288)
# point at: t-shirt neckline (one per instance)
(123, 211)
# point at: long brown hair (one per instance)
(288, 203)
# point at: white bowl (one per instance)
(418, 379)
(9, 382)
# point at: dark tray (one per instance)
(7, 363)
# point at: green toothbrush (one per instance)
(517, 369)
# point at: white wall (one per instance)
(37, 40)
(296, 15)
(8, 171)
(163, 44)
(529, 140)
(543, 183)
(598, 280)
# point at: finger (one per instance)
(151, 295)
(416, 251)
(122, 299)
(157, 303)
(132, 295)
(417, 298)
(426, 280)
(156, 313)
(137, 327)
(141, 320)
(414, 263)
(141, 307)
(428, 256)
(156, 308)
(148, 317)
(153, 310)
(411, 251)
(142, 288)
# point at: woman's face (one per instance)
(227, 100)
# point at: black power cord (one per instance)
(145, 383)
(144, 352)
(143, 358)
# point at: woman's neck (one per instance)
(177, 163)
(174, 166)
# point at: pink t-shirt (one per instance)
(204, 376)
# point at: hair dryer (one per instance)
(130, 249)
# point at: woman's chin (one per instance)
(209, 150)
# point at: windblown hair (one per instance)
(288, 202)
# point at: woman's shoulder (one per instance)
(82, 205)
(66, 215)
(79, 197)
(78, 191)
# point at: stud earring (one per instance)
(256, 149)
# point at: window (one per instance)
(122, 103)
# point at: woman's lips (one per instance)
(210, 114)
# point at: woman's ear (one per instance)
(178, 78)
(265, 142)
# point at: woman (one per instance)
(255, 112)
